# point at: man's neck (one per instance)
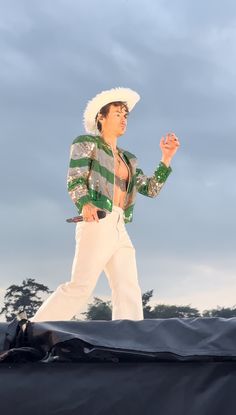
(111, 140)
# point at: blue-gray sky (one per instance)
(180, 57)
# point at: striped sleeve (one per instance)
(151, 186)
(81, 154)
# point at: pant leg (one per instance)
(121, 271)
(95, 243)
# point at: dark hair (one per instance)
(105, 110)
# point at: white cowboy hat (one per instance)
(94, 105)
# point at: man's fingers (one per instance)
(92, 218)
(172, 136)
(95, 215)
(90, 214)
(172, 142)
(162, 142)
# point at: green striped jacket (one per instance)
(91, 177)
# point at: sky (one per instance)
(180, 57)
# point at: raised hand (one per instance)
(169, 146)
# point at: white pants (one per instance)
(100, 246)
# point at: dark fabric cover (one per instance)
(159, 366)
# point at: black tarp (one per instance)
(158, 366)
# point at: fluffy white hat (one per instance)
(115, 94)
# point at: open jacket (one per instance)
(90, 177)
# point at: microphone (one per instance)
(101, 214)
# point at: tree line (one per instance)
(27, 297)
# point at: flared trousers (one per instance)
(100, 246)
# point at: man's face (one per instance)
(116, 121)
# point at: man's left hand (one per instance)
(169, 146)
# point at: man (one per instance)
(103, 176)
